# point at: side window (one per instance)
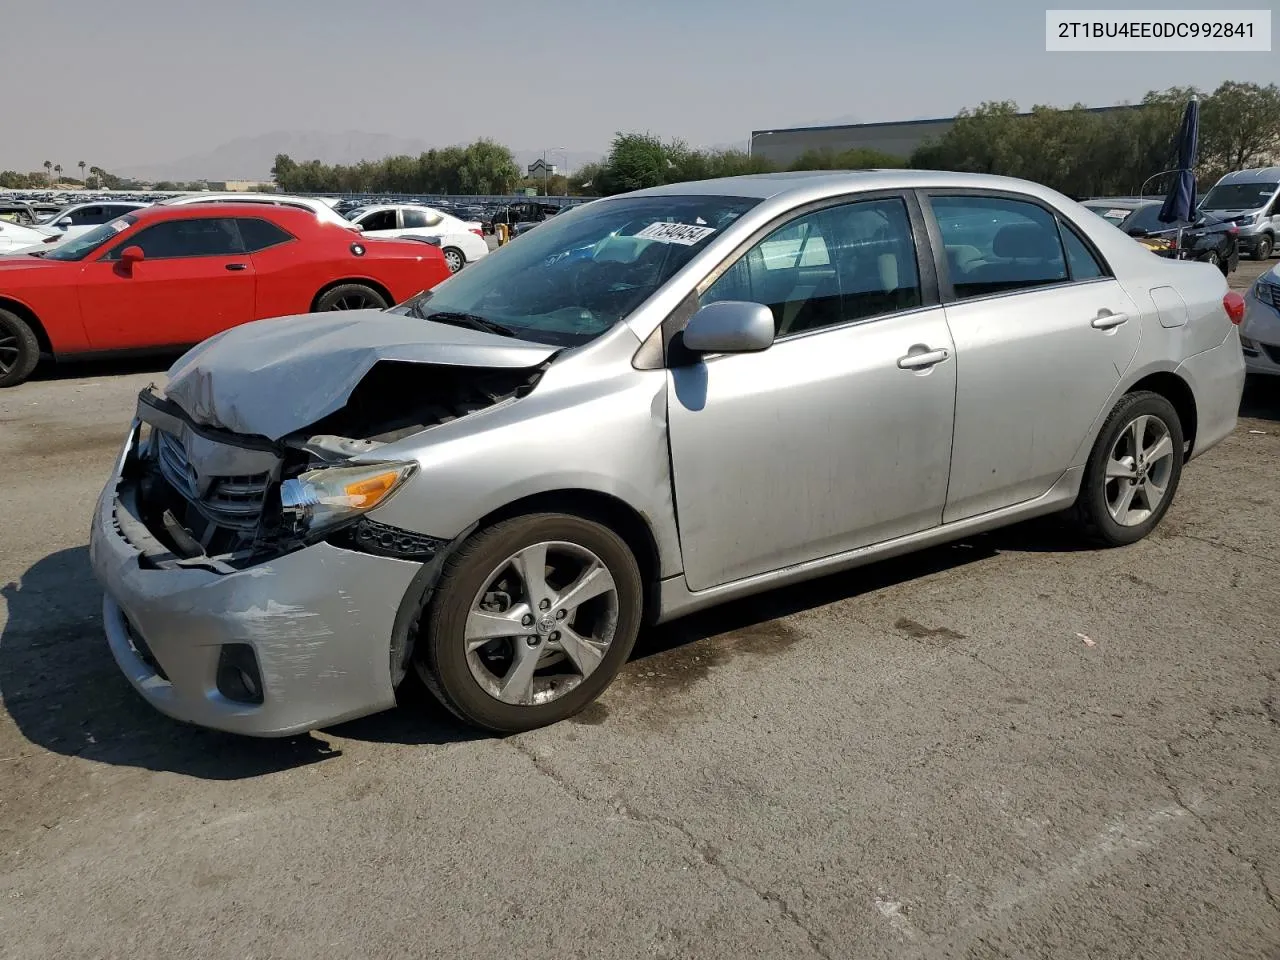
(994, 245)
(88, 216)
(834, 266)
(260, 234)
(1084, 265)
(414, 218)
(184, 238)
(382, 220)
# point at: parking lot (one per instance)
(1006, 747)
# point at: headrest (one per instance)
(1025, 241)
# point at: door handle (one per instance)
(1109, 321)
(237, 266)
(919, 361)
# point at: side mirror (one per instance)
(64, 222)
(131, 255)
(730, 326)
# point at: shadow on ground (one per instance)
(105, 367)
(1261, 398)
(61, 687)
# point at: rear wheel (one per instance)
(1132, 472)
(531, 620)
(351, 296)
(454, 258)
(19, 349)
(1263, 250)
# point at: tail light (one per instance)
(1233, 229)
(478, 232)
(1233, 303)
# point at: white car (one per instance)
(317, 206)
(1260, 332)
(460, 241)
(78, 218)
(16, 238)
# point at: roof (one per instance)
(821, 182)
(1267, 174)
(1123, 203)
(192, 211)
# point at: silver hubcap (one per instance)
(542, 623)
(1138, 470)
(454, 261)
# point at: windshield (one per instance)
(57, 214)
(1239, 196)
(1116, 215)
(83, 245)
(581, 272)
(356, 213)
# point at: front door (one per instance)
(1042, 333)
(837, 436)
(195, 281)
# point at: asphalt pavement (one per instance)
(1007, 747)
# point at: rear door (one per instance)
(1042, 334)
(380, 223)
(195, 281)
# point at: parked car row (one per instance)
(173, 274)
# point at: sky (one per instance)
(139, 81)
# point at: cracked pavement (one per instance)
(922, 759)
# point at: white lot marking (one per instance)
(1120, 836)
(892, 910)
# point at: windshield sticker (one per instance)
(686, 234)
(1119, 214)
(119, 225)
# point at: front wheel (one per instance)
(531, 620)
(1263, 250)
(1132, 472)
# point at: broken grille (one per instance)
(232, 502)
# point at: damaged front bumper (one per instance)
(300, 640)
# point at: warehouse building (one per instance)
(899, 137)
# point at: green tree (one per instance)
(860, 158)
(48, 170)
(637, 161)
(1240, 125)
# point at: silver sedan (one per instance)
(650, 404)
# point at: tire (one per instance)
(350, 296)
(454, 258)
(1213, 259)
(1263, 250)
(19, 349)
(465, 681)
(1099, 495)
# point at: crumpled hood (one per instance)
(272, 377)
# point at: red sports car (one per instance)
(169, 276)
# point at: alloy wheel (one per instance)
(453, 260)
(355, 301)
(9, 352)
(1138, 470)
(541, 624)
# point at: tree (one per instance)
(583, 182)
(81, 165)
(58, 170)
(637, 161)
(859, 158)
(48, 170)
(1240, 125)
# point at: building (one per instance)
(538, 169)
(899, 138)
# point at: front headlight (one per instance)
(320, 499)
